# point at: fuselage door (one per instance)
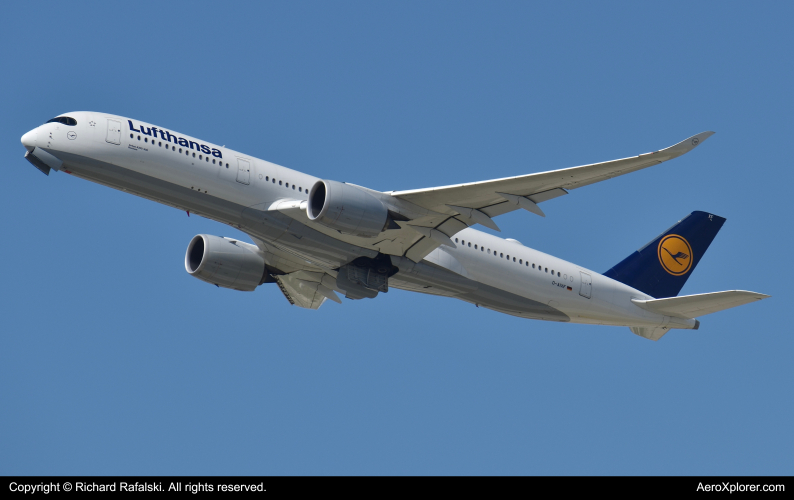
(243, 171)
(114, 132)
(587, 285)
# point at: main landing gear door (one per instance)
(587, 285)
(243, 171)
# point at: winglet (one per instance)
(686, 145)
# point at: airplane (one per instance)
(316, 238)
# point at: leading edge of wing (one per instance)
(621, 166)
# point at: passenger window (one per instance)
(199, 156)
(180, 150)
(520, 261)
(194, 155)
(470, 244)
(279, 183)
(456, 240)
(501, 255)
(131, 136)
(145, 139)
(139, 138)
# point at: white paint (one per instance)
(242, 181)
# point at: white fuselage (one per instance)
(234, 188)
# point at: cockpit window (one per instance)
(66, 120)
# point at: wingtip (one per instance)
(688, 144)
(695, 140)
(704, 135)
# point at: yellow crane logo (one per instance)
(675, 254)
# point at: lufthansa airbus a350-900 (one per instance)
(315, 238)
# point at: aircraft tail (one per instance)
(661, 267)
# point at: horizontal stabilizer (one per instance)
(693, 306)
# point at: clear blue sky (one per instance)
(113, 360)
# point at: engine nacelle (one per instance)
(347, 209)
(225, 262)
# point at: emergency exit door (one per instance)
(243, 171)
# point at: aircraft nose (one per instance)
(29, 139)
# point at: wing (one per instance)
(499, 196)
(428, 218)
(304, 293)
(452, 208)
(302, 284)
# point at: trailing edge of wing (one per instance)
(301, 293)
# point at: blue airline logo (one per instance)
(169, 137)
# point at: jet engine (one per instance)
(225, 262)
(347, 209)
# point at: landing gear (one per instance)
(365, 277)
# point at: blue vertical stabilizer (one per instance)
(661, 267)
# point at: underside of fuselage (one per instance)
(293, 246)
